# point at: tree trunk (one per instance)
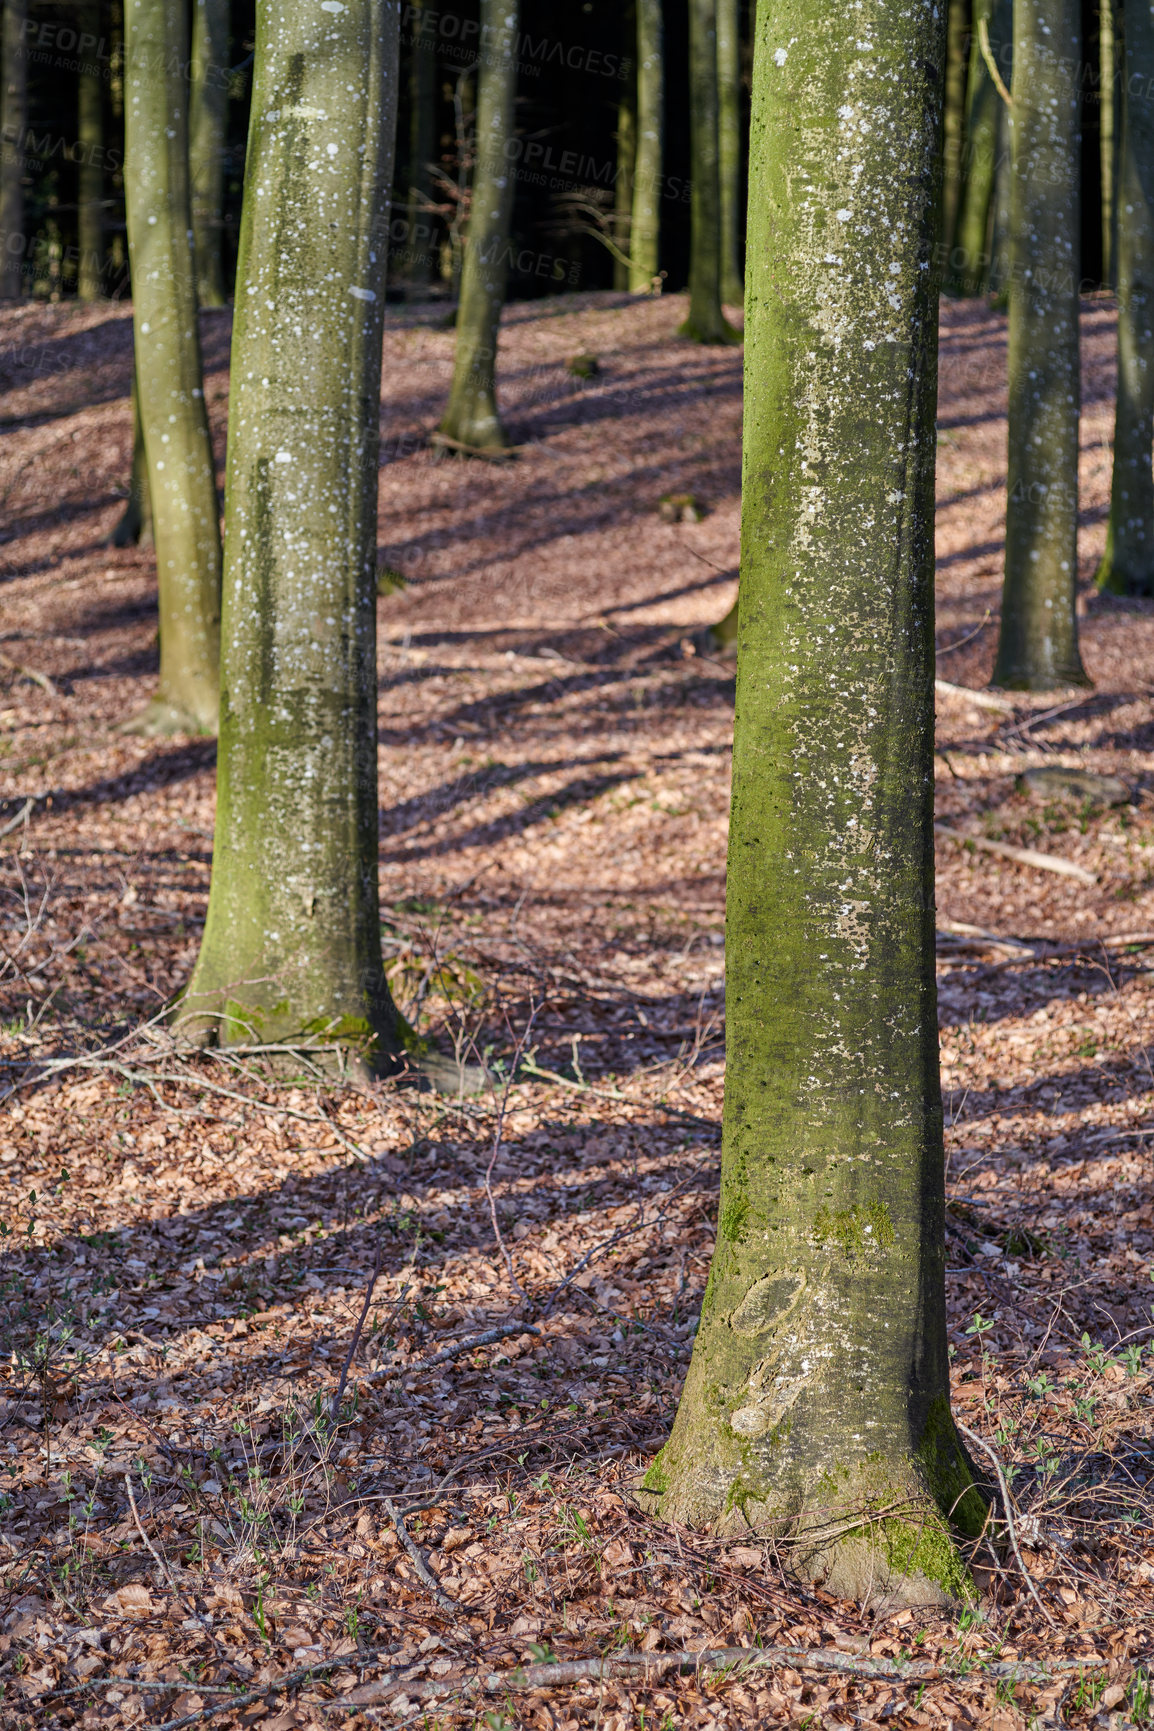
(959, 54)
(817, 1402)
(971, 249)
(169, 375)
(291, 947)
(706, 322)
(422, 150)
(997, 283)
(1128, 565)
(90, 170)
(1038, 640)
(13, 127)
(134, 528)
(1108, 130)
(471, 418)
(729, 148)
(626, 161)
(645, 225)
(208, 128)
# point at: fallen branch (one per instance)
(980, 699)
(417, 1558)
(15, 822)
(652, 1667)
(450, 1352)
(1022, 855)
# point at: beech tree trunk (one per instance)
(645, 224)
(706, 322)
(817, 1402)
(134, 528)
(13, 127)
(169, 374)
(1108, 137)
(626, 162)
(472, 418)
(954, 140)
(729, 148)
(422, 150)
(291, 948)
(1128, 565)
(970, 253)
(207, 137)
(90, 170)
(1038, 639)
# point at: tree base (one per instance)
(1114, 579)
(160, 719)
(720, 334)
(132, 528)
(502, 453)
(1040, 680)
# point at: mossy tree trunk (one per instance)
(1038, 638)
(471, 418)
(645, 223)
(954, 140)
(1128, 565)
(134, 528)
(90, 171)
(13, 126)
(1109, 128)
(169, 374)
(730, 164)
(291, 948)
(972, 238)
(207, 137)
(626, 161)
(706, 322)
(817, 1404)
(422, 148)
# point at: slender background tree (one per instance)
(90, 283)
(706, 322)
(645, 224)
(422, 144)
(730, 153)
(207, 136)
(817, 1402)
(13, 120)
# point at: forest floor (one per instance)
(187, 1532)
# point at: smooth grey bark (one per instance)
(291, 948)
(1127, 567)
(169, 374)
(134, 529)
(90, 171)
(1038, 638)
(471, 418)
(208, 128)
(422, 149)
(706, 322)
(816, 1407)
(729, 148)
(645, 222)
(13, 127)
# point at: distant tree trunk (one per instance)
(1109, 129)
(626, 159)
(645, 226)
(972, 236)
(90, 170)
(169, 375)
(422, 149)
(1128, 565)
(1038, 640)
(208, 128)
(706, 322)
(997, 283)
(471, 418)
(134, 528)
(291, 948)
(13, 127)
(954, 139)
(817, 1404)
(730, 153)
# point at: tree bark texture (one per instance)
(706, 322)
(1128, 565)
(626, 162)
(291, 947)
(645, 225)
(207, 138)
(472, 418)
(817, 1401)
(169, 374)
(135, 526)
(730, 153)
(13, 127)
(422, 150)
(1038, 639)
(90, 170)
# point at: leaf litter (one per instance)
(321, 1404)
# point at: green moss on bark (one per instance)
(645, 223)
(706, 322)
